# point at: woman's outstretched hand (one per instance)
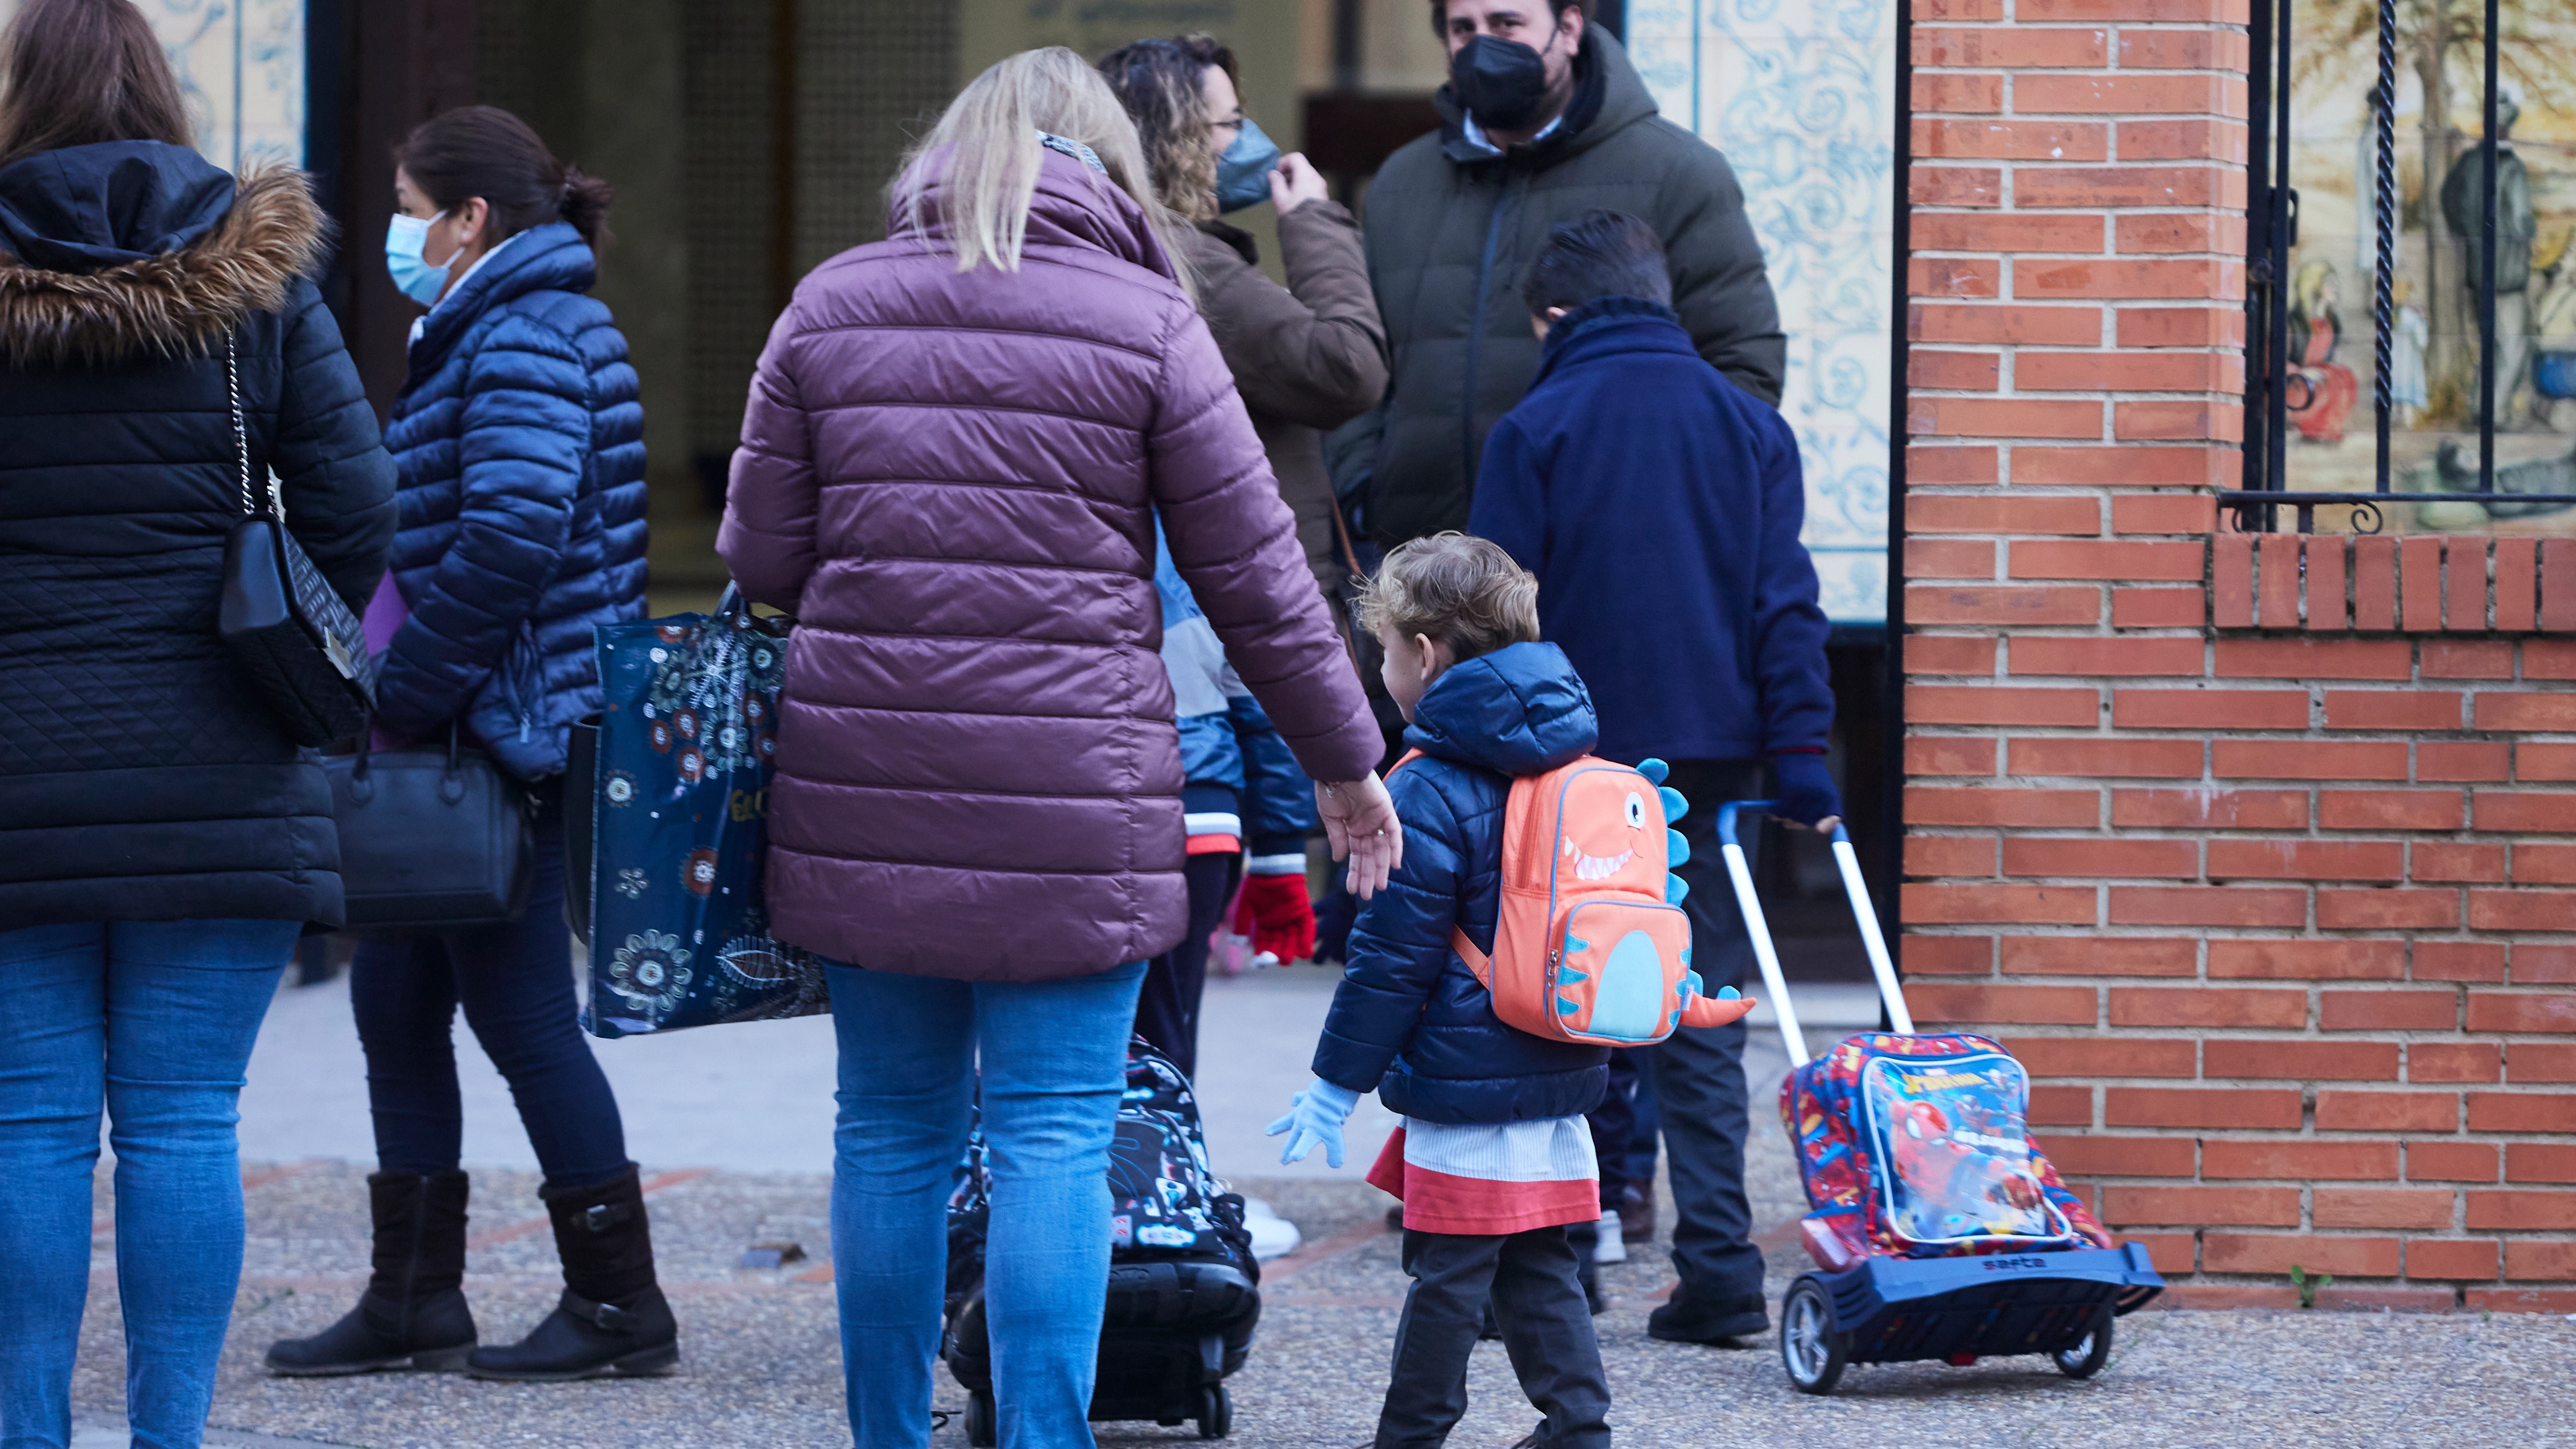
(1359, 820)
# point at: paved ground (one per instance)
(733, 1128)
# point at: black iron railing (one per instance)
(2272, 215)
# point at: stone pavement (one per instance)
(733, 1127)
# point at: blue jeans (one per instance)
(156, 1020)
(1054, 1057)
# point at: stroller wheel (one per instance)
(2084, 1358)
(1216, 1412)
(983, 1426)
(1810, 1348)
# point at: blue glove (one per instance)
(1315, 1115)
(1807, 792)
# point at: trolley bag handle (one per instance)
(1758, 926)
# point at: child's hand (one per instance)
(1315, 1116)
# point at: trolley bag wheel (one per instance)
(2084, 1358)
(983, 1425)
(1810, 1348)
(1216, 1412)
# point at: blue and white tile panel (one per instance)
(241, 64)
(1801, 96)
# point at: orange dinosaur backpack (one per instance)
(1590, 946)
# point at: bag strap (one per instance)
(1477, 961)
(241, 426)
(1350, 555)
(241, 440)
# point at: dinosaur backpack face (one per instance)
(1590, 946)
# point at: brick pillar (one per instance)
(2244, 846)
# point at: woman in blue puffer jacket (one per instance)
(519, 442)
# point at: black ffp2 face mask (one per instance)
(1500, 82)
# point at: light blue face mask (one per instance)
(1243, 172)
(420, 281)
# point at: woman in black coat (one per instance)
(162, 841)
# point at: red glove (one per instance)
(1277, 916)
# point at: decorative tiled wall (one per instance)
(241, 63)
(1801, 96)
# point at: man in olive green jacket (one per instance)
(1455, 217)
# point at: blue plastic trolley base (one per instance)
(2059, 1304)
(1903, 1310)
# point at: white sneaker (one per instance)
(1272, 1235)
(1612, 1248)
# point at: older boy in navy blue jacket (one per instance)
(1659, 506)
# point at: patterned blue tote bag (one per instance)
(678, 831)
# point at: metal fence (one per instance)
(2272, 229)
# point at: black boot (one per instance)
(612, 1319)
(413, 1314)
(1718, 1322)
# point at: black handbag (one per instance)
(290, 631)
(430, 839)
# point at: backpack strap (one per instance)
(1477, 961)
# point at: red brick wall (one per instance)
(2255, 855)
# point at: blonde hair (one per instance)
(990, 170)
(1463, 591)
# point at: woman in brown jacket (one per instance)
(1307, 357)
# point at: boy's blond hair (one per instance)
(1462, 591)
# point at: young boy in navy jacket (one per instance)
(1659, 505)
(1494, 1163)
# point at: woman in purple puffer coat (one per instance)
(955, 451)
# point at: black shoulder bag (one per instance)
(290, 631)
(430, 838)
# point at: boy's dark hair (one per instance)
(1463, 591)
(1598, 254)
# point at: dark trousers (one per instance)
(1167, 1006)
(515, 983)
(1699, 1091)
(1547, 1329)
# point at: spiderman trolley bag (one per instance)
(1938, 1229)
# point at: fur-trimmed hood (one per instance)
(135, 248)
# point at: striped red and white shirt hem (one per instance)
(1491, 1179)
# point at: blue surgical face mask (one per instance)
(1243, 172)
(420, 281)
